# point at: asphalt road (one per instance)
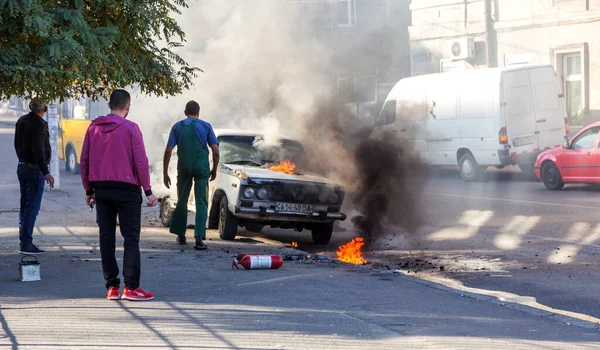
(504, 233)
(202, 303)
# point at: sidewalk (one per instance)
(201, 303)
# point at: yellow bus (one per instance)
(75, 116)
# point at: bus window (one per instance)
(79, 109)
(98, 108)
(66, 109)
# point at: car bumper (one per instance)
(269, 214)
(538, 172)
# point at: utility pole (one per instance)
(491, 44)
(53, 131)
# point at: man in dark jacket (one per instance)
(32, 144)
(114, 169)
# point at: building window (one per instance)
(572, 64)
(573, 86)
(346, 13)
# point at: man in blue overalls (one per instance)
(191, 136)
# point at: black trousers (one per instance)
(127, 204)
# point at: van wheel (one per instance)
(71, 161)
(551, 177)
(321, 233)
(469, 170)
(228, 223)
(166, 212)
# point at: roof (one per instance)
(456, 78)
(243, 132)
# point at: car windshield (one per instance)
(250, 150)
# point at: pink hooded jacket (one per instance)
(113, 151)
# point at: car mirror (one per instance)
(566, 145)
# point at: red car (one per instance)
(577, 161)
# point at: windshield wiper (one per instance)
(244, 162)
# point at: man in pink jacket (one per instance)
(114, 169)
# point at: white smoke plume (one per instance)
(262, 71)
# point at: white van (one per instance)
(478, 118)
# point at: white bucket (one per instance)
(29, 269)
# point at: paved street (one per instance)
(202, 304)
(506, 233)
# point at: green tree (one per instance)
(72, 48)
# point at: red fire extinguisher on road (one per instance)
(252, 262)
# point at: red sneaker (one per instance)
(136, 294)
(113, 293)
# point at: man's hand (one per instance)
(152, 200)
(213, 174)
(49, 179)
(167, 180)
(89, 200)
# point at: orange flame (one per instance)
(350, 252)
(284, 167)
(295, 244)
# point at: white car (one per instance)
(248, 193)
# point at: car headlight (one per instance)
(249, 192)
(262, 193)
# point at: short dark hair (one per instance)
(192, 108)
(119, 99)
(37, 105)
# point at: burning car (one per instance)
(260, 183)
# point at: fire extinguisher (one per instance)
(251, 261)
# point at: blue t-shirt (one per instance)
(204, 130)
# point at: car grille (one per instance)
(302, 193)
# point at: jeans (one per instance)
(111, 202)
(31, 181)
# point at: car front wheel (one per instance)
(321, 233)
(551, 177)
(228, 223)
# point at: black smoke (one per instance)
(382, 176)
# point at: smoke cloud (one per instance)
(264, 71)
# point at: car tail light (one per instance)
(503, 136)
(567, 126)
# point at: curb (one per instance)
(555, 316)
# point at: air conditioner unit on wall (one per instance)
(461, 49)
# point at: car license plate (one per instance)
(294, 208)
(522, 141)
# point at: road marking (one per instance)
(520, 201)
(595, 246)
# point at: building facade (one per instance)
(369, 42)
(470, 34)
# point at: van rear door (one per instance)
(518, 111)
(549, 107)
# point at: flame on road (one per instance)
(350, 252)
(285, 167)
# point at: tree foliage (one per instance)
(72, 48)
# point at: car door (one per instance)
(577, 162)
(595, 166)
